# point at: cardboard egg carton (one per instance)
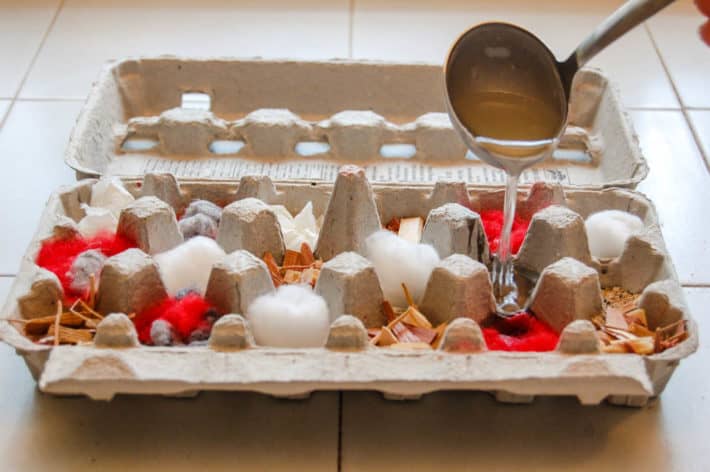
(566, 295)
(222, 119)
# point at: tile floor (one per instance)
(50, 50)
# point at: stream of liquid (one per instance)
(509, 126)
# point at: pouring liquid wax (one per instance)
(507, 97)
(510, 126)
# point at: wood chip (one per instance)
(40, 326)
(439, 335)
(640, 330)
(426, 335)
(615, 318)
(273, 269)
(70, 335)
(414, 317)
(636, 316)
(292, 277)
(642, 346)
(307, 257)
(407, 295)
(291, 258)
(616, 347)
(385, 338)
(403, 334)
(411, 229)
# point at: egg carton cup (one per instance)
(566, 295)
(223, 119)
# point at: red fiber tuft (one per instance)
(520, 333)
(185, 315)
(493, 226)
(57, 255)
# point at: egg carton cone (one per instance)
(566, 295)
(223, 119)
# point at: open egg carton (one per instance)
(169, 155)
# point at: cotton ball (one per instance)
(607, 232)
(97, 220)
(292, 316)
(198, 225)
(204, 207)
(85, 265)
(110, 194)
(188, 266)
(398, 261)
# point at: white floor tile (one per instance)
(679, 185)
(215, 431)
(423, 30)
(470, 431)
(687, 57)
(700, 120)
(90, 32)
(22, 25)
(4, 106)
(32, 143)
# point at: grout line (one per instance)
(694, 285)
(340, 430)
(683, 109)
(42, 41)
(351, 21)
(653, 108)
(8, 275)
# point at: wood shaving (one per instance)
(409, 327)
(298, 267)
(71, 324)
(411, 229)
(624, 327)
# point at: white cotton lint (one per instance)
(283, 216)
(607, 232)
(303, 228)
(110, 194)
(292, 316)
(188, 266)
(96, 220)
(399, 261)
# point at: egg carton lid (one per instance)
(223, 118)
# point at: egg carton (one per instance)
(222, 119)
(566, 295)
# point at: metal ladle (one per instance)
(495, 58)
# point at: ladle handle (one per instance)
(630, 15)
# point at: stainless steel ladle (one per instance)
(503, 58)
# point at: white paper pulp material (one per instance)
(299, 229)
